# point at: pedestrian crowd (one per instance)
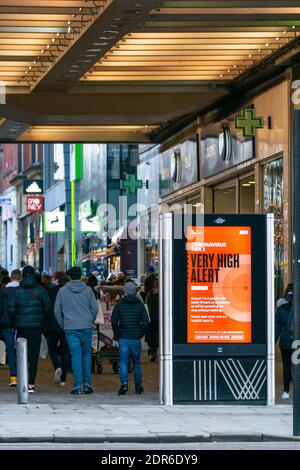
(63, 308)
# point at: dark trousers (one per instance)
(286, 355)
(33, 337)
(63, 359)
(9, 339)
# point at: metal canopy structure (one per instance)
(123, 69)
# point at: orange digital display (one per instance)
(219, 284)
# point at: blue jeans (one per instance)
(80, 345)
(130, 348)
(9, 339)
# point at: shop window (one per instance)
(225, 199)
(273, 203)
(247, 195)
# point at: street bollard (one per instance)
(22, 371)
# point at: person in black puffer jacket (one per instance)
(130, 322)
(284, 332)
(29, 306)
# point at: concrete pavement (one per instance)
(53, 415)
(98, 423)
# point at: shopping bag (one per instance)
(44, 348)
(100, 317)
(2, 353)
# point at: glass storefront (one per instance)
(235, 196)
(225, 198)
(273, 203)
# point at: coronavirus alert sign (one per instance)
(219, 284)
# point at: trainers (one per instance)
(57, 376)
(76, 391)
(31, 389)
(123, 390)
(13, 381)
(62, 384)
(139, 390)
(87, 389)
(285, 395)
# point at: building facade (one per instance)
(215, 167)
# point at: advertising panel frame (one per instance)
(173, 305)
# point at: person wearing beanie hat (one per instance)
(30, 305)
(149, 281)
(130, 322)
(129, 288)
(28, 271)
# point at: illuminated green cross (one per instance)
(249, 122)
(131, 184)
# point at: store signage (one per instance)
(33, 187)
(249, 122)
(219, 284)
(86, 210)
(131, 184)
(34, 203)
(6, 201)
(76, 162)
(54, 222)
(90, 225)
(176, 166)
(225, 143)
(223, 146)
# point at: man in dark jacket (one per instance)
(284, 332)
(130, 322)
(55, 334)
(149, 281)
(75, 310)
(30, 305)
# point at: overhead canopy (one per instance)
(118, 70)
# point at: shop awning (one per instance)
(113, 251)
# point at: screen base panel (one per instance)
(220, 380)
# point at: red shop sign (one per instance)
(34, 203)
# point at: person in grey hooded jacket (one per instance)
(76, 310)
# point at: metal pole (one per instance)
(161, 316)
(270, 312)
(22, 371)
(296, 274)
(166, 309)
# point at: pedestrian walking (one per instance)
(55, 335)
(76, 310)
(149, 281)
(29, 305)
(153, 330)
(130, 322)
(6, 323)
(284, 332)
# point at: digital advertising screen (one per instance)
(219, 284)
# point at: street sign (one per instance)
(33, 187)
(6, 201)
(54, 222)
(35, 203)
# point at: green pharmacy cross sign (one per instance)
(249, 122)
(131, 184)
